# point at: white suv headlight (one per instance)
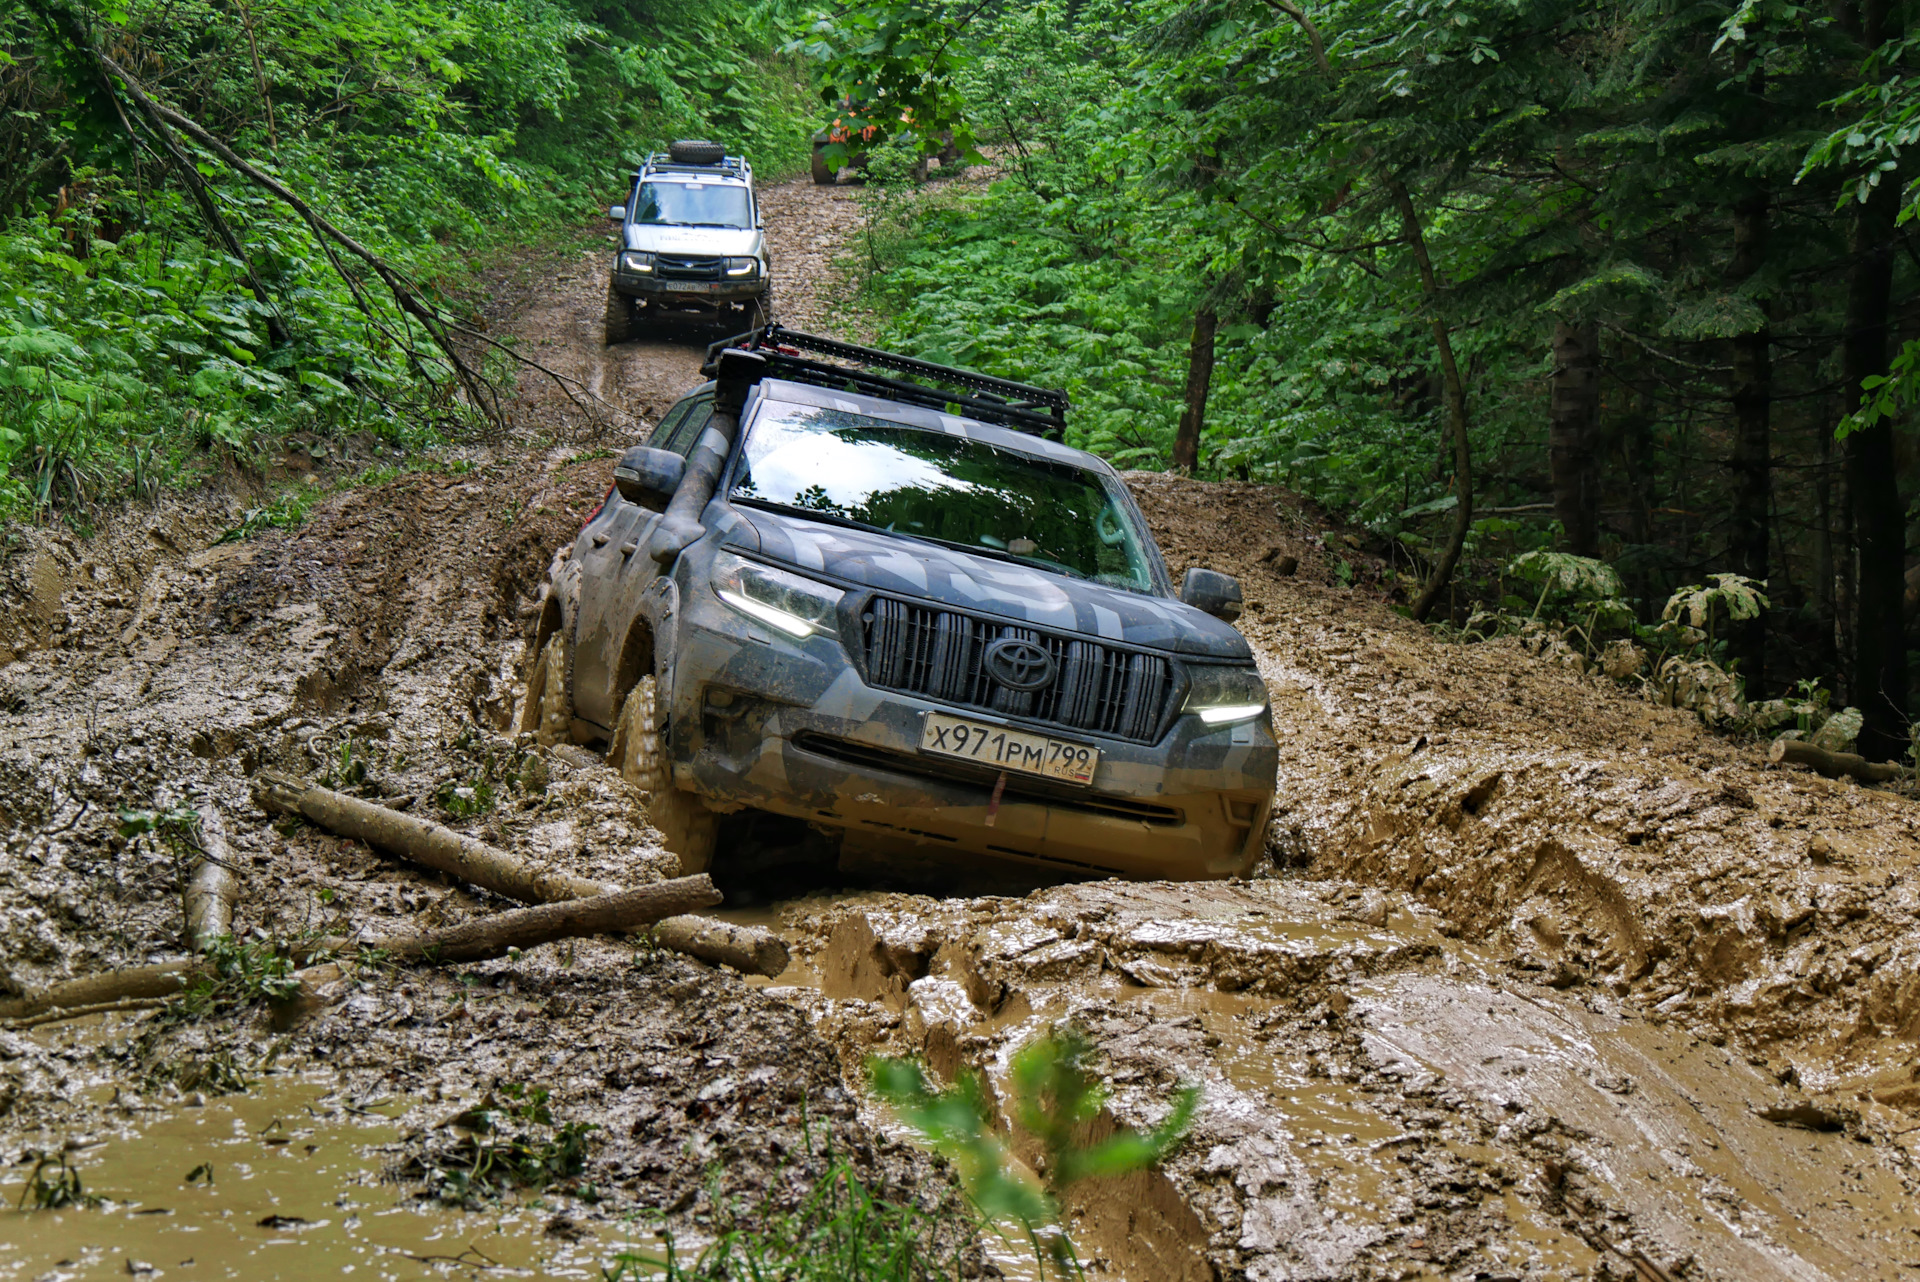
(798, 607)
(634, 261)
(1225, 695)
(743, 268)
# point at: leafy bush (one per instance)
(136, 347)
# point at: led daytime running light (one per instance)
(791, 624)
(1227, 714)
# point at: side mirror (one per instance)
(1209, 590)
(648, 476)
(617, 213)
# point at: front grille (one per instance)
(673, 267)
(941, 654)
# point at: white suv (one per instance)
(692, 246)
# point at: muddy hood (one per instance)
(944, 576)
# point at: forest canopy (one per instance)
(1628, 282)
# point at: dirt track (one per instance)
(1548, 982)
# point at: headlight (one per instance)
(1223, 695)
(637, 262)
(743, 268)
(798, 607)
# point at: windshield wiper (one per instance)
(808, 513)
(731, 226)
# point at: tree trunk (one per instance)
(1879, 684)
(1186, 441)
(1573, 425)
(1825, 571)
(1456, 408)
(1752, 458)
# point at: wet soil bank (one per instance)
(1546, 982)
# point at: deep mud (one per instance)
(1546, 981)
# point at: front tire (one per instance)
(823, 174)
(763, 308)
(639, 752)
(620, 322)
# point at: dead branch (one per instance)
(1833, 765)
(477, 940)
(164, 979)
(420, 840)
(496, 935)
(60, 1013)
(211, 891)
(748, 950)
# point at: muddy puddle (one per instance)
(283, 1181)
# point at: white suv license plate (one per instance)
(1029, 754)
(693, 286)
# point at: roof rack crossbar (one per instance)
(1039, 410)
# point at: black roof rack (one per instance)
(1021, 406)
(660, 162)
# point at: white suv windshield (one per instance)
(947, 489)
(666, 203)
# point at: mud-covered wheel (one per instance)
(696, 151)
(621, 323)
(639, 752)
(549, 712)
(823, 174)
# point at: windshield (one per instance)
(683, 204)
(949, 489)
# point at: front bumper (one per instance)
(683, 293)
(764, 721)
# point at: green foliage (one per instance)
(1056, 1100)
(843, 1230)
(1601, 169)
(53, 1184)
(134, 350)
(510, 1140)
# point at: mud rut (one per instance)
(1545, 983)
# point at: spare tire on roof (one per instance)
(694, 152)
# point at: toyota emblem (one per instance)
(1019, 664)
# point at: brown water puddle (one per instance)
(280, 1182)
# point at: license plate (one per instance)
(692, 286)
(1004, 749)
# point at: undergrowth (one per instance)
(137, 350)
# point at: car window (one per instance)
(949, 489)
(661, 202)
(664, 432)
(688, 430)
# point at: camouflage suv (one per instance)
(880, 598)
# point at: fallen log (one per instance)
(420, 840)
(211, 890)
(1833, 765)
(745, 948)
(496, 935)
(478, 940)
(164, 979)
